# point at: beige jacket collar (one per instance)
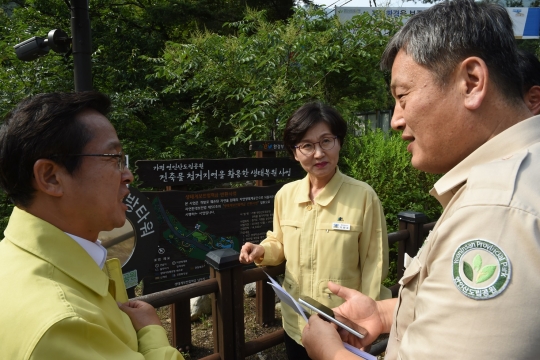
(51, 244)
(508, 142)
(326, 195)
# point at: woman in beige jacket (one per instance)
(327, 226)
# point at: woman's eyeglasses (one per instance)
(308, 148)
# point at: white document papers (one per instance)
(359, 352)
(289, 300)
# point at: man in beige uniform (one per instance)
(471, 291)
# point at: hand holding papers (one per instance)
(326, 314)
(290, 301)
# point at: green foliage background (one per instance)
(382, 161)
(245, 86)
(201, 78)
(124, 34)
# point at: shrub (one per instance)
(382, 161)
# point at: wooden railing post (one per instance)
(265, 298)
(227, 304)
(266, 303)
(413, 222)
(180, 313)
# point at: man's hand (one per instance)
(322, 342)
(373, 316)
(141, 314)
(250, 253)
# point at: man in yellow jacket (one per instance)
(62, 165)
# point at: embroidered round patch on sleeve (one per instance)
(480, 269)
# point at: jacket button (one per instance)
(308, 208)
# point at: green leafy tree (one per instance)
(246, 85)
(123, 31)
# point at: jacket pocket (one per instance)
(328, 298)
(337, 251)
(411, 272)
(291, 223)
(290, 284)
(291, 231)
(407, 294)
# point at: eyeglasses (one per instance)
(308, 148)
(122, 158)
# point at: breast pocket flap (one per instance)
(291, 223)
(412, 270)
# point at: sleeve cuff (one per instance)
(152, 337)
(268, 259)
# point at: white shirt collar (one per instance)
(94, 249)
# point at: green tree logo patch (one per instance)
(481, 269)
(482, 273)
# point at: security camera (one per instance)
(57, 40)
(31, 49)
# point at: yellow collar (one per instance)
(326, 195)
(51, 244)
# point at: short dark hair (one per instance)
(529, 67)
(447, 33)
(41, 127)
(309, 115)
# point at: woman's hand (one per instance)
(250, 253)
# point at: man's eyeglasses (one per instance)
(122, 158)
(308, 148)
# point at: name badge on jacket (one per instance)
(340, 226)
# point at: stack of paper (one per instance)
(286, 298)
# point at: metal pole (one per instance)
(82, 45)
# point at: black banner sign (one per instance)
(193, 223)
(145, 229)
(161, 173)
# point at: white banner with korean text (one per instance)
(526, 20)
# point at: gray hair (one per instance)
(447, 33)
